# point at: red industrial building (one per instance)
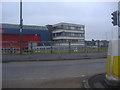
(11, 35)
(14, 39)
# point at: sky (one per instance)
(96, 16)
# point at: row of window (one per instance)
(70, 34)
(66, 27)
(70, 40)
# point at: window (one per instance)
(72, 27)
(82, 28)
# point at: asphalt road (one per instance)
(50, 74)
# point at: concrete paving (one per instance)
(100, 81)
(44, 57)
(50, 74)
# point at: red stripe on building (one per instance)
(2, 31)
(16, 38)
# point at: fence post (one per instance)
(98, 46)
(31, 46)
(59, 47)
(69, 47)
(85, 48)
(10, 47)
(28, 47)
(51, 47)
(59, 50)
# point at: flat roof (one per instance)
(70, 24)
(33, 27)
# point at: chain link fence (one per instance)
(49, 47)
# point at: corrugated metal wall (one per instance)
(45, 35)
(15, 37)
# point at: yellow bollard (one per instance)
(113, 62)
(116, 66)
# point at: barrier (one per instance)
(13, 47)
(113, 61)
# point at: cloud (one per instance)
(96, 16)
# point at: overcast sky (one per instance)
(96, 16)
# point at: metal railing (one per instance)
(49, 47)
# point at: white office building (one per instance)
(65, 33)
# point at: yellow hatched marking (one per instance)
(116, 66)
(108, 64)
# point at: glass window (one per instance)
(72, 27)
(82, 28)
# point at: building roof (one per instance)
(33, 27)
(70, 24)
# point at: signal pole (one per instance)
(110, 79)
(21, 26)
(119, 20)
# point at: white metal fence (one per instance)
(43, 47)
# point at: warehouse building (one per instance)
(61, 32)
(11, 32)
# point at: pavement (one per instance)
(100, 81)
(72, 82)
(50, 74)
(53, 57)
(97, 81)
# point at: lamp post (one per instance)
(21, 26)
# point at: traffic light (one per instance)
(114, 18)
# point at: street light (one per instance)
(21, 26)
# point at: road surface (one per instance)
(50, 74)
